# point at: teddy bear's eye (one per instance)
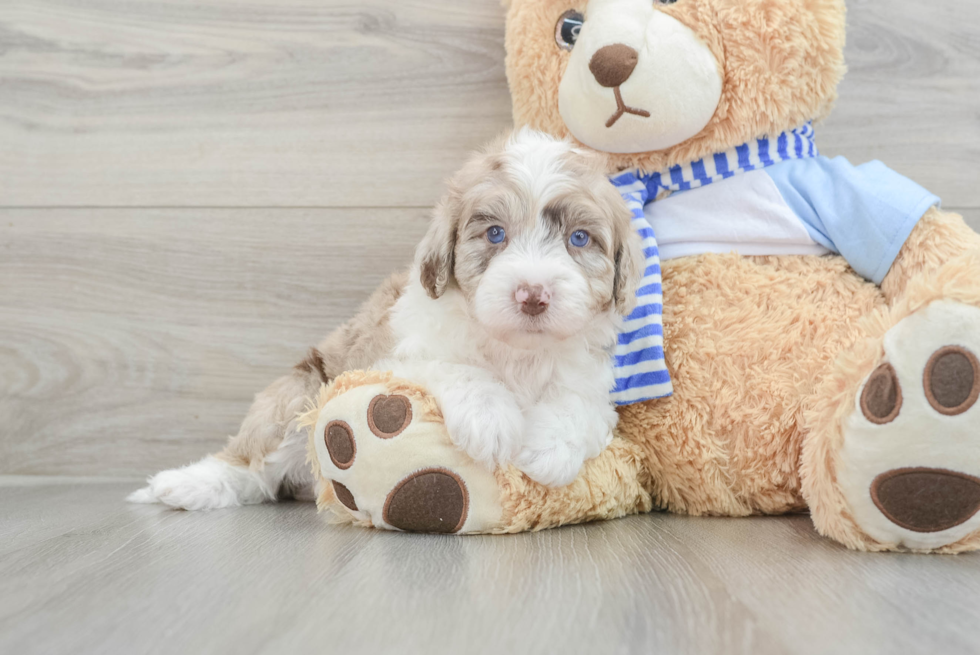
(567, 29)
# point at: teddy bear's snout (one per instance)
(612, 65)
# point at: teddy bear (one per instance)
(821, 321)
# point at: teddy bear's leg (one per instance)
(383, 458)
(892, 459)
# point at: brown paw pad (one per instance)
(926, 499)
(881, 400)
(344, 495)
(431, 500)
(341, 447)
(387, 416)
(952, 380)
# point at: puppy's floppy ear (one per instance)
(435, 253)
(630, 264)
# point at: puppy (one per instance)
(509, 316)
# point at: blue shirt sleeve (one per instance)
(864, 213)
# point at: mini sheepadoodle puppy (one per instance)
(508, 316)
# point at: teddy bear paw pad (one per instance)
(431, 500)
(382, 449)
(910, 463)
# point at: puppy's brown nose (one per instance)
(533, 298)
(612, 65)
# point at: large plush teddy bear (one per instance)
(821, 320)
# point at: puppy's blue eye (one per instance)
(579, 238)
(496, 234)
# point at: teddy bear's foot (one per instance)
(909, 465)
(382, 457)
(381, 454)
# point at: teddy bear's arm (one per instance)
(888, 228)
(865, 213)
(938, 238)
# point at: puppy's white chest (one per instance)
(531, 378)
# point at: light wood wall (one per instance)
(193, 191)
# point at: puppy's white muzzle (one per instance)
(532, 292)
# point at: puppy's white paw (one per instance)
(207, 484)
(486, 425)
(552, 464)
(557, 443)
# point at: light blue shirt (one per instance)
(864, 213)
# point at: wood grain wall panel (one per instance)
(244, 103)
(343, 103)
(135, 338)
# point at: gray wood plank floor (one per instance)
(98, 576)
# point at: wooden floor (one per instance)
(194, 191)
(81, 572)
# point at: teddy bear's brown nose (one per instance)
(612, 65)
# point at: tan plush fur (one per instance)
(612, 485)
(767, 354)
(747, 340)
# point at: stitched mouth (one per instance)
(622, 108)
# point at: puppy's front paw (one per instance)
(487, 424)
(556, 445)
(551, 464)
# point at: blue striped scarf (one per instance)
(638, 360)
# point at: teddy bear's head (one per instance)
(664, 82)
